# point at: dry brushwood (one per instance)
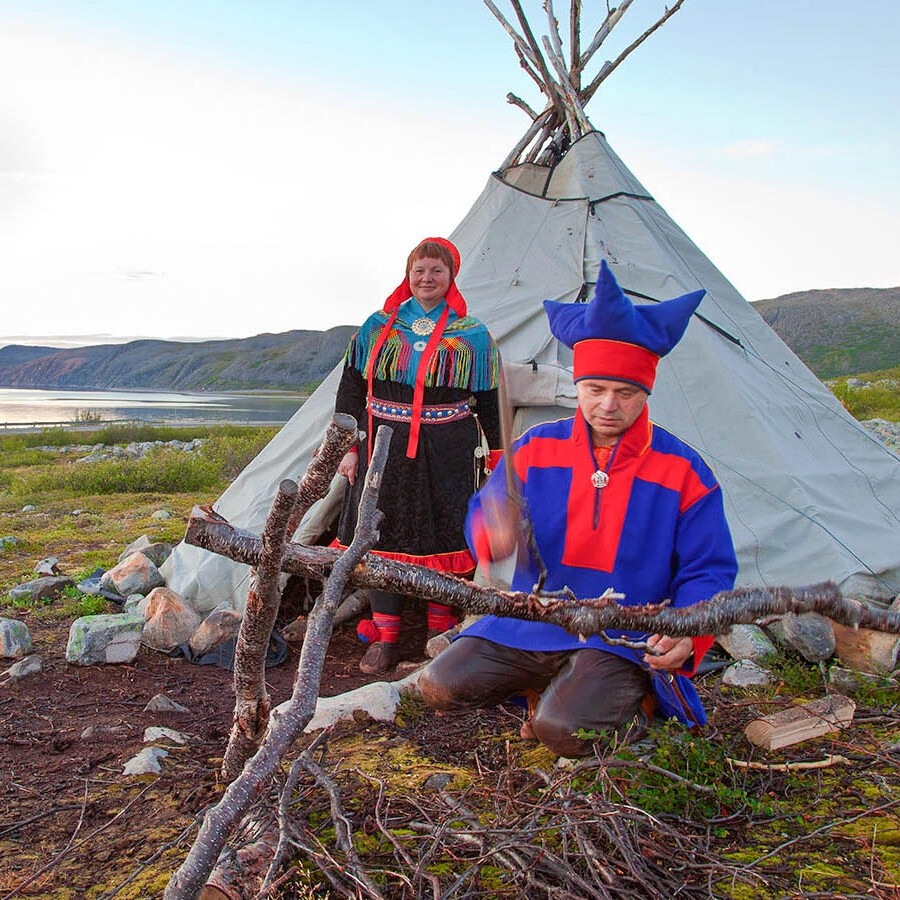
(294, 715)
(251, 711)
(563, 120)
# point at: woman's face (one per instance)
(429, 281)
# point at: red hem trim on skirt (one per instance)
(460, 562)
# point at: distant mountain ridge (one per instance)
(835, 332)
(842, 331)
(290, 360)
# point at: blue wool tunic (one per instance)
(657, 531)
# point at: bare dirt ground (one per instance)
(72, 825)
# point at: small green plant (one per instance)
(70, 604)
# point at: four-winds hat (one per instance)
(612, 338)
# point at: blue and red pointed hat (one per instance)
(614, 339)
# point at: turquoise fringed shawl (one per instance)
(466, 357)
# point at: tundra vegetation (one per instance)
(459, 806)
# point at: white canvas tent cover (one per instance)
(809, 494)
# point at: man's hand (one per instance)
(349, 466)
(674, 651)
(500, 524)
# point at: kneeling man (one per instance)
(615, 502)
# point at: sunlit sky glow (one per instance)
(229, 168)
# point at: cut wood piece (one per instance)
(800, 723)
(866, 651)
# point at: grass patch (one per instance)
(70, 605)
(878, 401)
(163, 471)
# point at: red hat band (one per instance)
(615, 360)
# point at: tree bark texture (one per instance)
(294, 715)
(340, 436)
(251, 711)
(587, 616)
(251, 707)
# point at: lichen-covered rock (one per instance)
(810, 634)
(747, 642)
(847, 681)
(169, 621)
(102, 639)
(215, 629)
(136, 574)
(48, 588)
(15, 639)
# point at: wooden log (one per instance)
(873, 652)
(801, 723)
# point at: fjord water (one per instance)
(21, 408)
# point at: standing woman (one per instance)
(430, 371)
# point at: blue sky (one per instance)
(228, 168)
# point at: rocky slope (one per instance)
(838, 332)
(286, 361)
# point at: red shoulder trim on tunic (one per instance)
(675, 473)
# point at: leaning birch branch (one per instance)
(294, 715)
(251, 700)
(603, 33)
(610, 67)
(340, 436)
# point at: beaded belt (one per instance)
(431, 415)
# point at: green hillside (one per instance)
(841, 331)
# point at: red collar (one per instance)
(634, 442)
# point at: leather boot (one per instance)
(381, 657)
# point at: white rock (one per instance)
(379, 699)
(30, 665)
(146, 762)
(47, 566)
(161, 703)
(161, 514)
(746, 673)
(158, 733)
(29, 508)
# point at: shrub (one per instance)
(231, 453)
(160, 472)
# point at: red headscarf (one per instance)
(401, 293)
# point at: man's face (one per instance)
(610, 407)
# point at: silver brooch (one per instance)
(423, 326)
(599, 479)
